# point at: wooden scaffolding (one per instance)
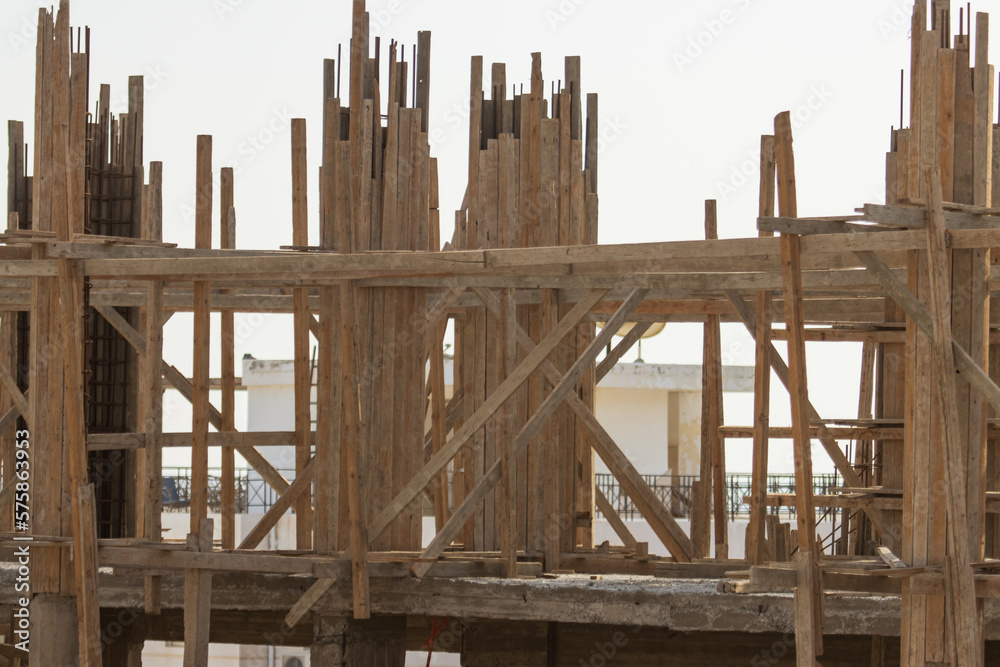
(507, 462)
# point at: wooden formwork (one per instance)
(525, 284)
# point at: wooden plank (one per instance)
(359, 534)
(507, 322)
(755, 545)
(359, 57)
(615, 521)
(329, 407)
(76, 165)
(10, 385)
(227, 370)
(983, 84)
(712, 387)
(926, 130)
(945, 147)
(637, 331)
(423, 77)
(475, 138)
(202, 342)
(302, 483)
(198, 601)
(593, 142)
(963, 628)
(81, 492)
(152, 393)
(302, 370)
(965, 110)
(808, 594)
(154, 204)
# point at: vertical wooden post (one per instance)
(756, 548)
(507, 443)
(351, 445)
(712, 372)
(303, 381)
(84, 527)
(152, 393)
(962, 625)
(329, 403)
(151, 384)
(198, 583)
(227, 329)
(808, 593)
(202, 331)
(198, 601)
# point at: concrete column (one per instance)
(378, 641)
(328, 641)
(54, 637)
(124, 635)
(495, 643)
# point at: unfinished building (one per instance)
(512, 575)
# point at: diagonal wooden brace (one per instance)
(661, 521)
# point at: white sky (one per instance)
(686, 89)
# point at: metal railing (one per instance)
(675, 493)
(255, 496)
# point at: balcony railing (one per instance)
(255, 496)
(675, 493)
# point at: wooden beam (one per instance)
(151, 392)
(360, 534)
(302, 370)
(624, 345)
(615, 521)
(507, 323)
(202, 342)
(303, 481)
(227, 370)
(963, 627)
(712, 415)
(198, 600)
(808, 593)
(756, 546)
(19, 399)
(81, 492)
